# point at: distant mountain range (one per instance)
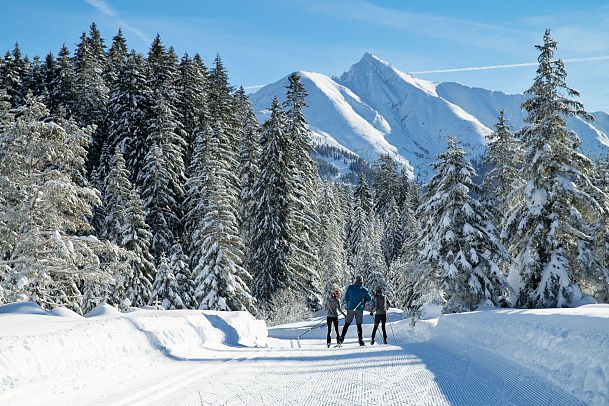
(374, 108)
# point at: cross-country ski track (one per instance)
(286, 371)
(414, 373)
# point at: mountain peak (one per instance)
(371, 59)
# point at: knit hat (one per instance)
(359, 280)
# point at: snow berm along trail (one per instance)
(148, 357)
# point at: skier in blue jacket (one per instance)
(355, 298)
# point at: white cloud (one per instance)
(509, 66)
(105, 8)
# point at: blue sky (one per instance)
(263, 40)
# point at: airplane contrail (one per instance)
(514, 65)
(253, 87)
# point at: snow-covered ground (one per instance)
(148, 357)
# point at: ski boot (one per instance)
(361, 343)
(372, 342)
(384, 340)
(328, 345)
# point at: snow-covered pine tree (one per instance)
(91, 92)
(61, 90)
(161, 180)
(409, 268)
(459, 238)
(191, 91)
(272, 242)
(393, 233)
(358, 219)
(49, 71)
(303, 217)
(363, 196)
(116, 58)
(180, 268)
(162, 71)
(212, 219)
(34, 81)
(369, 261)
(47, 211)
(13, 74)
(385, 184)
(129, 109)
(126, 227)
(600, 178)
(165, 289)
(249, 154)
(221, 282)
(551, 226)
(332, 253)
(503, 161)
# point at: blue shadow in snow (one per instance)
(231, 337)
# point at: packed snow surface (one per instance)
(186, 357)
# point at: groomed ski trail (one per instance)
(426, 373)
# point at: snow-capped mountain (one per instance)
(374, 108)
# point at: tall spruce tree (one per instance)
(385, 184)
(249, 154)
(91, 92)
(162, 179)
(503, 161)
(551, 225)
(129, 111)
(272, 243)
(303, 217)
(459, 238)
(116, 58)
(221, 282)
(125, 226)
(332, 252)
(216, 248)
(191, 91)
(62, 92)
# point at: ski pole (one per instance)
(362, 301)
(391, 327)
(312, 328)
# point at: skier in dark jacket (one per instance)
(379, 310)
(355, 298)
(333, 308)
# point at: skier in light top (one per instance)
(379, 310)
(355, 298)
(332, 307)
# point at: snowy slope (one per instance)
(374, 108)
(486, 104)
(420, 120)
(337, 116)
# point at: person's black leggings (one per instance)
(380, 318)
(330, 321)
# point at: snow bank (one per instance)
(568, 347)
(22, 308)
(37, 345)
